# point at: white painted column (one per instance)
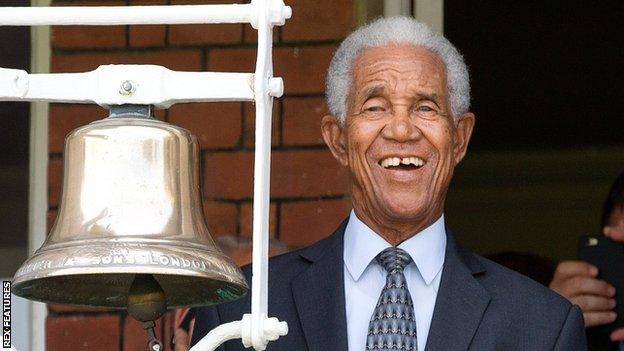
(38, 182)
(397, 8)
(430, 12)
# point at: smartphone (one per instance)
(608, 256)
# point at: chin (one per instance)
(405, 211)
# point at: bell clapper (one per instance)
(146, 303)
(152, 344)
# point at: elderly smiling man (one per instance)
(392, 277)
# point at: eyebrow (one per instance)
(425, 96)
(372, 91)
(380, 89)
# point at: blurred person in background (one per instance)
(578, 280)
(240, 250)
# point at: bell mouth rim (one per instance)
(120, 303)
(17, 281)
(184, 266)
(148, 253)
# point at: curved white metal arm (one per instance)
(272, 328)
(218, 336)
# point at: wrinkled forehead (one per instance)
(394, 64)
(398, 51)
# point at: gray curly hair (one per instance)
(395, 30)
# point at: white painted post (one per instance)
(430, 12)
(38, 182)
(262, 172)
(397, 8)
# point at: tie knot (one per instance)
(393, 258)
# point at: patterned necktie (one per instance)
(393, 324)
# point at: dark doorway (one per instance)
(544, 74)
(547, 88)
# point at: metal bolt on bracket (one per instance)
(276, 87)
(128, 87)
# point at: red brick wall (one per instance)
(308, 188)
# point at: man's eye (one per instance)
(375, 109)
(424, 108)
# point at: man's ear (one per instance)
(335, 138)
(463, 132)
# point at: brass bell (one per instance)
(130, 231)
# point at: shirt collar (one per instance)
(362, 244)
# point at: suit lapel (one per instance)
(319, 295)
(461, 301)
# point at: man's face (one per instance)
(399, 141)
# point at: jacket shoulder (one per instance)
(510, 286)
(520, 295)
(525, 312)
(506, 283)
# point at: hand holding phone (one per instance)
(608, 256)
(578, 282)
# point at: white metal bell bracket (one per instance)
(155, 85)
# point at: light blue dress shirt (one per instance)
(364, 278)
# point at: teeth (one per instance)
(416, 161)
(395, 161)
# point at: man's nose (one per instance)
(401, 128)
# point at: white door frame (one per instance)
(430, 12)
(38, 182)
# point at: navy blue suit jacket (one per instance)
(480, 305)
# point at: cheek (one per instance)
(357, 158)
(356, 150)
(449, 136)
(442, 139)
(361, 139)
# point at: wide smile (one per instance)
(402, 163)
